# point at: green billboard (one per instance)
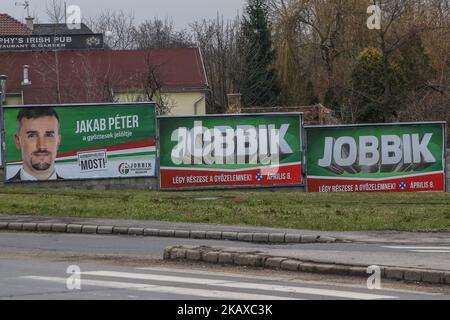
(231, 151)
(404, 157)
(80, 141)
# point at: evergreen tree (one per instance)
(368, 88)
(311, 98)
(408, 76)
(259, 84)
(330, 100)
(415, 67)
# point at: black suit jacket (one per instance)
(17, 177)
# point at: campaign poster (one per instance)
(404, 157)
(231, 151)
(67, 142)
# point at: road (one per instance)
(34, 266)
(25, 278)
(358, 253)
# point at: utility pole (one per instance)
(3, 89)
(2, 101)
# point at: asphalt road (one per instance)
(34, 266)
(352, 253)
(154, 246)
(28, 278)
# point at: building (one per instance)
(173, 77)
(60, 29)
(10, 26)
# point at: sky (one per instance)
(182, 12)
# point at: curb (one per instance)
(256, 237)
(261, 260)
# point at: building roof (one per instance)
(59, 29)
(313, 115)
(91, 76)
(12, 27)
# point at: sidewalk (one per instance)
(379, 237)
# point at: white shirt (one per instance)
(24, 176)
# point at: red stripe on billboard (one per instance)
(431, 182)
(178, 178)
(125, 146)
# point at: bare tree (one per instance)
(117, 27)
(149, 87)
(159, 33)
(97, 79)
(219, 43)
(55, 11)
(47, 67)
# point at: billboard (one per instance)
(405, 157)
(80, 141)
(231, 151)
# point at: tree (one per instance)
(259, 85)
(55, 11)
(331, 102)
(157, 33)
(368, 88)
(118, 29)
(415, 65)
(149, 87)
(317, 40)
(311, 98)
(218, 42)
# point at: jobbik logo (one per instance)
(370, 154)
(129, 168)
(124, 168)
(225, 145)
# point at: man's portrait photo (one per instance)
(38, 138)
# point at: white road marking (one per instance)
(417, 248)
(211, 294)
(421, 249)
(241, 285)
(431, 251)
(291, 279)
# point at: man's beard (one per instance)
(41, 166)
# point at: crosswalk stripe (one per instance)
(311, 291)
(431, 251)
(210, 294)
(198, 272)
(417, 248)
(241, 285)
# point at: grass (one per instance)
(325, 212)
